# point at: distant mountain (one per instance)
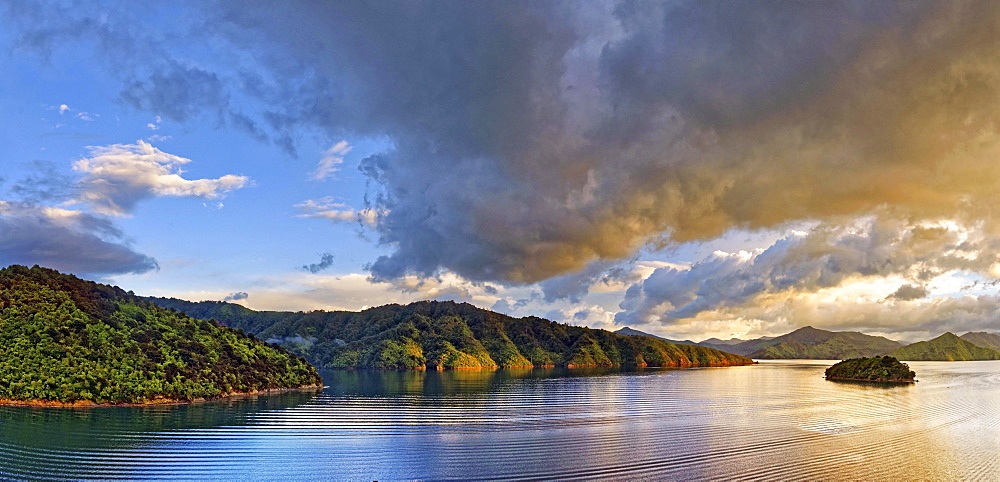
(947, 347)
(444, 334)
(633, 332)
(813, 343)
(983, 339)
(731, 341)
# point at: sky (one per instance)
(690, 169)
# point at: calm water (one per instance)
(773, 421)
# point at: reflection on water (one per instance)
(777, 420)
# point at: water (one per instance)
(774, 421)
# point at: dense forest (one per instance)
(875, 369)
(444, 334)
(63, 339)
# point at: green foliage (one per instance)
(946, 347)
(449, 335)
(876, 369)
(983, 339)
(65, 339)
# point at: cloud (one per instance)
(66, 240)
(239, 295)
(44, 183)
(909, 292)
(531, 140)
(179, 91)
(116, 177)
(155, 125)
(333, 157)
(877, 273)
(307, 291)
(63, 108)
(325, 262)
(571, 136)
(326, 208)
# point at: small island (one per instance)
(882, 369)
(67, 342)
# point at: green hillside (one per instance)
(633, 332)
(435, 335)
(63, 339)
(946, 347)
(983, 339)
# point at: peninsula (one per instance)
(69, 342)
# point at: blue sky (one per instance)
(688, 169)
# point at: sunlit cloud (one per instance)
(327, 208)
(116, 177)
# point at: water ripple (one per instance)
(774, 421)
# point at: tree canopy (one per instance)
(876, 369)
(445, 334)
(64, 339)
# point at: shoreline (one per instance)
(443, 369)
(154, 402)
(895, 380)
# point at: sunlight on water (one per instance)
(779, 420)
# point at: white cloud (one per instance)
(326, 208)
(332, 158)
(155, 125)
(63, 108)
(351, 292)
(872, 274)
(116, 177)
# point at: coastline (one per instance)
(644, 365)
(153, 402)
(895, 380)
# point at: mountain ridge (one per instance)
(445, 334)
(946, 347)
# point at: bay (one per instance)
(779, 420)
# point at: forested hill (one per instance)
(946, 347)
(444, 334)
(809, 342)
(66, 340)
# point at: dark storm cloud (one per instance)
(535, 139)
(68, 241)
